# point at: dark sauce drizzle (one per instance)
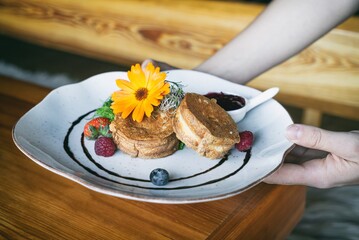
(88, 155)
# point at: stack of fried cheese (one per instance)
(151, 138)
(204, 126)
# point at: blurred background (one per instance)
(61, 42)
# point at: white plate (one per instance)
(51, 135)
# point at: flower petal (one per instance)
(138, 112)
(148, 108)
(157, 79)
(127, 111)
(153, 100)
(137, 76)
(120, 96)
(125, 85)
(120, 103)
(160, 90)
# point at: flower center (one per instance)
(141, 94)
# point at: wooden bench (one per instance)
(321, 79)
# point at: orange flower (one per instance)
(145, 89)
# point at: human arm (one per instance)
(281, 31)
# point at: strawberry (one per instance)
(246, 141)
(104, 146)
(96, 127)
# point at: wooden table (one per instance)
(38, 204)
(185, 33)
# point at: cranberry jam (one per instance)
(227, 101)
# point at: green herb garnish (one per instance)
(181, 145)
(172, 100)
(106, 110)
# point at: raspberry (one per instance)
(104, 146)
(246, 141)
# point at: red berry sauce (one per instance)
(227, 101)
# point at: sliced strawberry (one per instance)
(105, 131)
(97, 126)
(90, 131)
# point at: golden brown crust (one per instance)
(151, 138)
(210, 115)
(157, 126)
(147, 149)
(204, 126)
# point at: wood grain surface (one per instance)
(38, 204)
(184, 33)
(130, 31)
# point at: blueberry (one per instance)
(159, 177)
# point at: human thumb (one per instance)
(320, 139)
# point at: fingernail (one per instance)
(293, 132)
